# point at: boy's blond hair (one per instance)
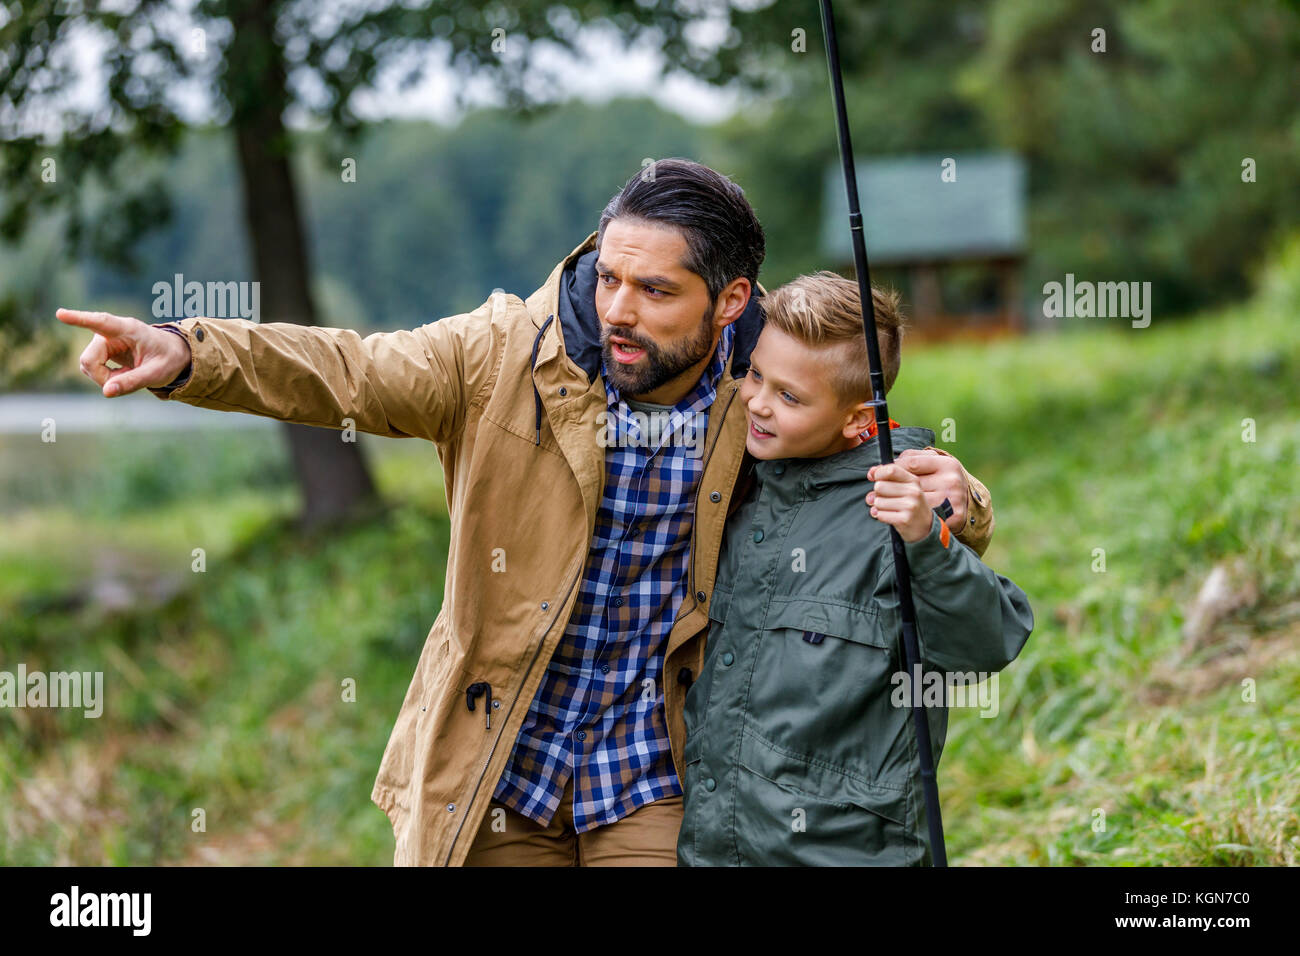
(823, 309)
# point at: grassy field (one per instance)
(1119, 740)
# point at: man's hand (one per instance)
(899, 500)
(941, 477)
(148, 357)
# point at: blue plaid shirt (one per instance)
(598, 717)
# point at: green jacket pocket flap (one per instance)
(860, 625)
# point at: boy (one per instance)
(800, 746)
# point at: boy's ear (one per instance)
(858, 420)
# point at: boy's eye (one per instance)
(753, 373)
(605, 276)
(654, 293)
(790, 398)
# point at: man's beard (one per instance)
(660, 364)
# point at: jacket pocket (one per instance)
(433, 674)
(795, 811)
(861, 625)
(821, 688)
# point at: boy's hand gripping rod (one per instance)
(903, 573)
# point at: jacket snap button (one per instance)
(715, 496)
(198, 332)
(701, 596)
(545, 605)
(451, 808)
(728, 659)
(758, 535)
(778, 470)
(710, 784)
(563, 391)
(684, 676)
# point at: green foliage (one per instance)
(239, 54)
(901, 67)
(439, 217)
(1137, 152)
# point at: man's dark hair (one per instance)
(724, 240)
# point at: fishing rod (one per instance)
(902, 572)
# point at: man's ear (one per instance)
(858, 420)
(732, 301)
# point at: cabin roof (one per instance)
(911, 215)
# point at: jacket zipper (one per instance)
(451, 849)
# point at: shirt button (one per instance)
(604, 668)
(758, 535)
(581, 735)
(710, 784)
(728, 659)
(618, 602)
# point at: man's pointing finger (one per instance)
(105, 323)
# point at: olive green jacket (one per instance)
(797, 749)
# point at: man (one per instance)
(543, 725)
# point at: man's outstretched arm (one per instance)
(405, 383)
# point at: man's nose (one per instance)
(619, 310)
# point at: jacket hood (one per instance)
(581, 325)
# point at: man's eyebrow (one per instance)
(659, 282)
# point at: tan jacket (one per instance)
(524, 476)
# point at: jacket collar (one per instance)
(851, 465)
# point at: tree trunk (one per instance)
(331, 473)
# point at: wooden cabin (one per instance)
(948, 232)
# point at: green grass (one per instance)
(226, 696)
(1131, 441)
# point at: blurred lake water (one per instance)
(79, 413)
